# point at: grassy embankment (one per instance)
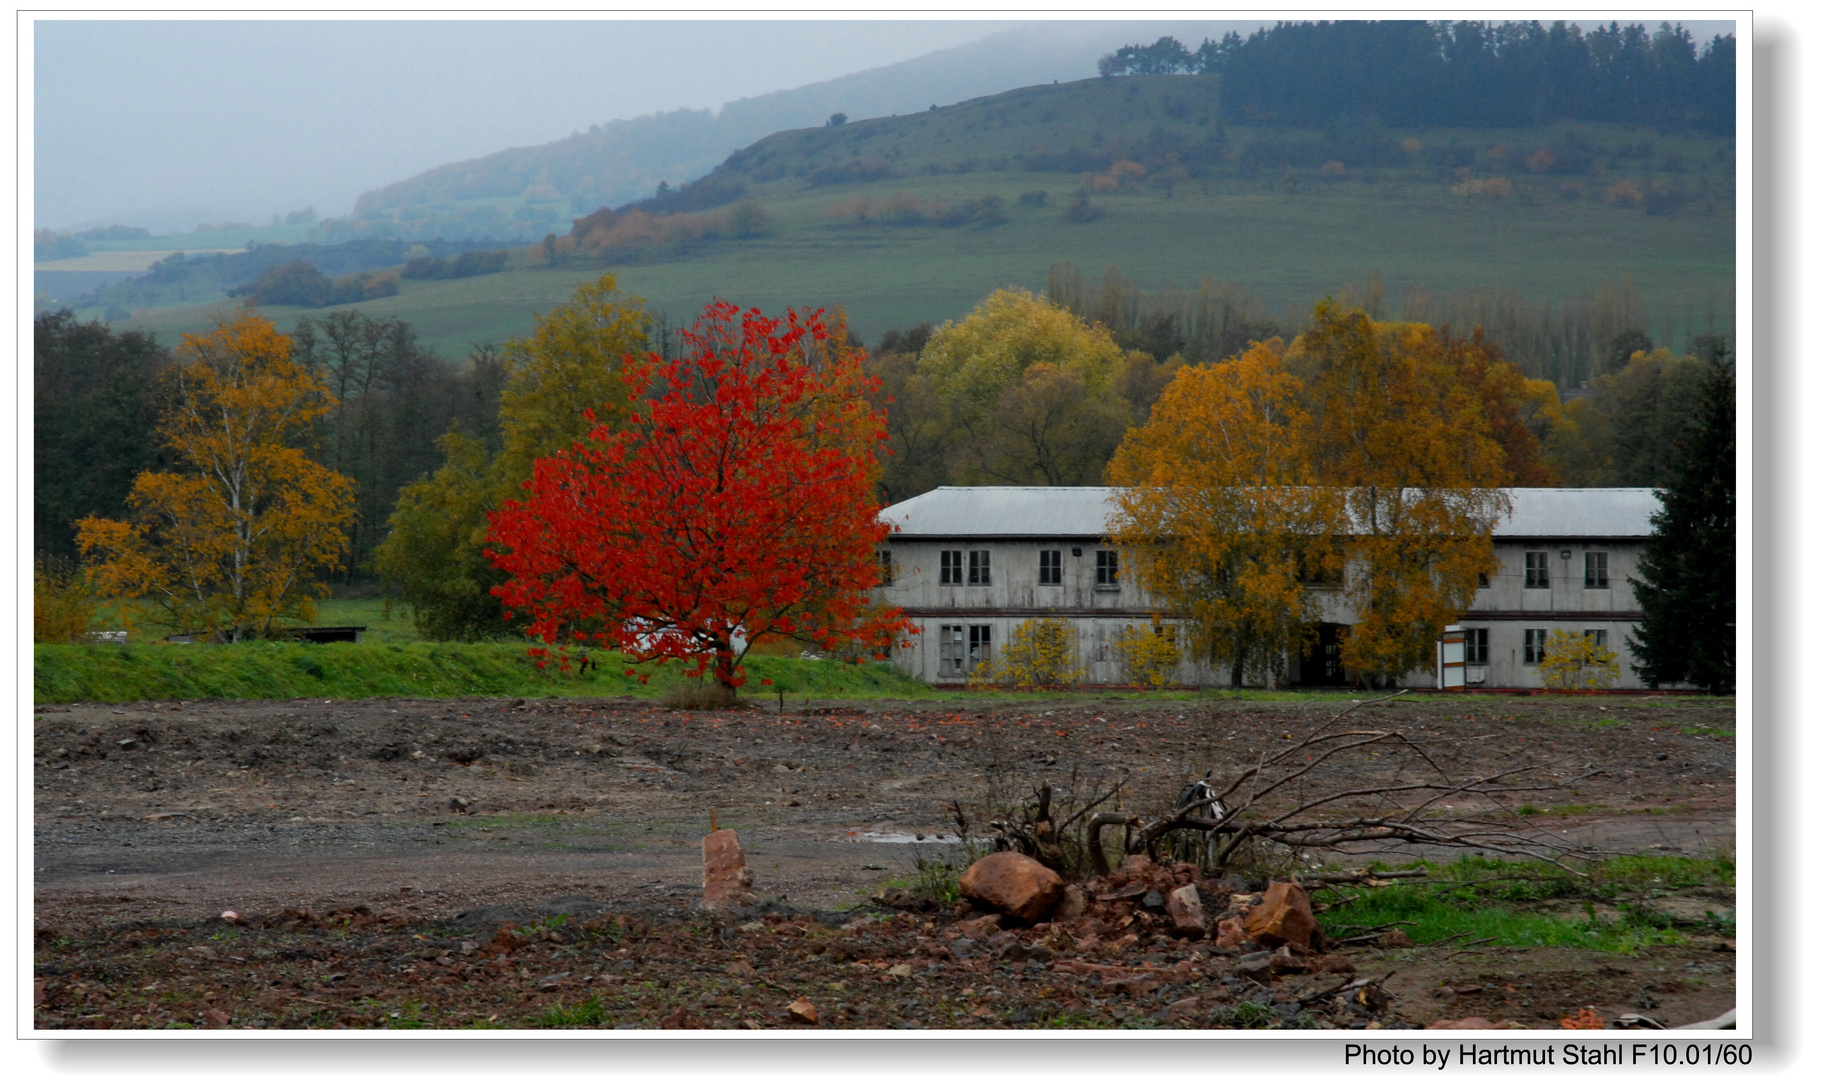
(1290, 234)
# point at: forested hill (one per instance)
(1460, 74)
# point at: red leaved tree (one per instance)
(735, 504)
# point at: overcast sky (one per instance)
(204, 120)
(169, 123)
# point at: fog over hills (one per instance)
(625, 160)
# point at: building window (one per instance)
(979, 646)
(1536, 569)
(951, 568)
(979, 568)
(1596, 570)
(962, 648)
(951, 649)
(1533, 645)
(1477, 650)
(888, 570)
(1598, 637)
(1485, 581)
(1106, 569)
(1049, 567)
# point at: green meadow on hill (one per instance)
(906, 219)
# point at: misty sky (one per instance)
(197, 121)
(166, 124)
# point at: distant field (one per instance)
(1292, 248)
(1291, 234)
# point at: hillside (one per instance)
(895, 218)
(526, 191)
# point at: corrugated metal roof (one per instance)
(1083, 512)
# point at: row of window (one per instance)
(962, 648)
(1479, 652)
(1536, 570)
(978, 567)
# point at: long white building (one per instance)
(967, 564)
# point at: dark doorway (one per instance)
(1320, 660)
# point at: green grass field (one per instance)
(1292, 235)
(1493, 903)
(279, 671)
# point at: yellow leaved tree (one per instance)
(1028, 392)
(1405, 441)
(1355, 474)
(1217, 515)
(235, 538)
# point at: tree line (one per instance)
(409, 458)
(1456, 74)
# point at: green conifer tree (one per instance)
(1686, 584)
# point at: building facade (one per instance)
(969, 564)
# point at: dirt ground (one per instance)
(372, 851)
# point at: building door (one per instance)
(1321, 657)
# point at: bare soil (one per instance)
(372, 851)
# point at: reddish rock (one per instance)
(803, 1011)
(1283, 917)
(1072, 906)
(1016, 884)
(1472, 1023)
(1186, 914)
(726, 882)
(1231, 934)
(1395, 939)
(975, 929)
(1134, 868)
(1336, 964)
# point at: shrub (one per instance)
(1041, 652)
(63, 602)
(1148, 654)
(1577, 662)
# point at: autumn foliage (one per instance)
(1357, 467)
(235, 538)
(733, 505)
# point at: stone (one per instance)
(1231, 934)
(1072, 906)
(1256, 967)
(984, 926)
(902, 971)
(1185, 911)
(1153, 901)
(726, 882)
(1472, 1023)
(1283, 917)
(1186, 1009)
(1336, 964)
(1395, 939)
(1016, 884)
(803, 1011)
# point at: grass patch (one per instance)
(585, 1014)
(1718, 733)
(284, 670)
(1474, 899)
